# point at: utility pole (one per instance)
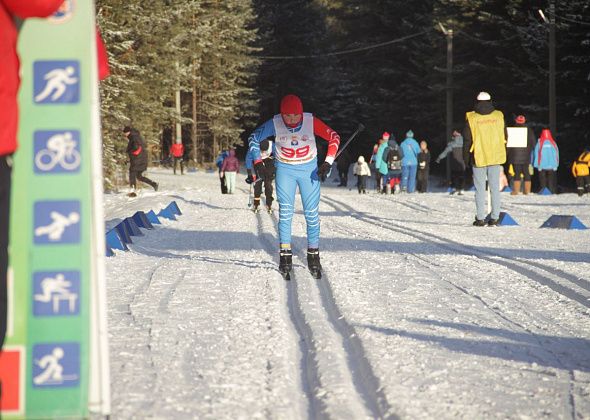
(449, 126)
(552, 96)
(552, 103)
(178, 137)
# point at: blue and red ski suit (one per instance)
(296, 166)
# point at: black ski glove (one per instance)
(324, 170)
(259, 170)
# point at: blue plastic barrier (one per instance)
(174, 208)
(109, 252)
(132, 227)
(563, 222)
(167, 214)
(506, 220)
(141, 220)
(124, 233)
(545, 191)
(153, 219)
(114, 241)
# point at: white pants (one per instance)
(230, 181)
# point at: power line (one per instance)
(569, 19)
(351, 51)
(486, 41)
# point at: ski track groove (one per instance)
(429, 266)
(507, 262)
(309, 372)
(364, 379)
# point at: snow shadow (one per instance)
(198, 203)
(428, 248)
(165, 239)
(545, 350)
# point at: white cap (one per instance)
(484, 96)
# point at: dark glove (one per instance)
(249, 180)
(259, 170)
(324, 170)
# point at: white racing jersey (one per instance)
(295, 148)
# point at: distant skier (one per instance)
(229, 170)
(362, 172)
(138, 160)
(454, 152)
(267, 178)
(296, 166)
(219, 162)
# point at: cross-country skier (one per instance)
(296, 166)
(266, 150)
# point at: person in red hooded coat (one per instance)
(9, 84)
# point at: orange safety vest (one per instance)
(489, 140)
(581, 167)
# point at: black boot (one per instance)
(285, 263)
(313, 263)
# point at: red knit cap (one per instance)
(385, 135)
(520, 119)
(291, 104)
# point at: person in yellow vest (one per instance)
(484, 148)
(581, 171)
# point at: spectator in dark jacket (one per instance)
(342, 165)
(519, 158)
(423, 167)
(138, 159)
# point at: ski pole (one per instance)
(360, 128)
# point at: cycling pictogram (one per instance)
(57, 151)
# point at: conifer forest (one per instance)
(382, 63)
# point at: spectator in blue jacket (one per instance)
(380, 164)
(219, 163)
(546, 160)
(411, 150)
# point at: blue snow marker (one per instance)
(153, 219)
(114, 241)
(132, 227)
(167, 214)
(506, 220)
(123, 232)
(174, 208)
(545, 191)
(141, 220)
(507, 189)
(563, 222)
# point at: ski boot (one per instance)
(313, 263)
(255, 207)
(269, 209)
(286, 263)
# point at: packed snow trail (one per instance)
(419, 314)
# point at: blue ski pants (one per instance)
(288, 178)
(409, 177)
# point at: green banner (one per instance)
(56, 202)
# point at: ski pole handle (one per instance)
(360, 128)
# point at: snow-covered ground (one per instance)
(419, 314)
